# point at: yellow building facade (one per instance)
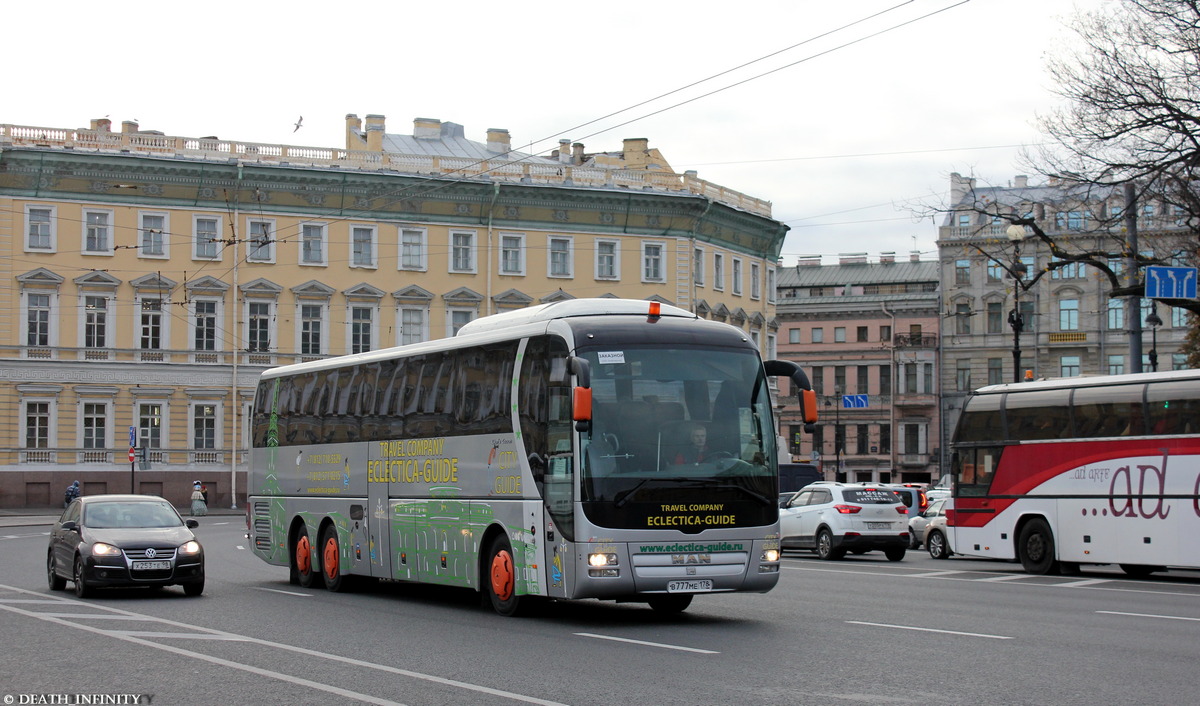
(149, 279)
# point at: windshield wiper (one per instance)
(623, 496)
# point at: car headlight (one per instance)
(102, 549)
(192, 547)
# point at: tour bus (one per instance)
(1085, 470)
(540, 453)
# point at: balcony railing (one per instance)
(915, 340)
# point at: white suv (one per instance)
(834, 518)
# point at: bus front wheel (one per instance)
(501, 579)
(302, 565)
(331, 569)
(670, 603)
(1035, 548)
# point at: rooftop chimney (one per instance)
(577, 155)
(634, 151)
(808, 261)
(564, 151)
(887, 258)
(1022, 181)
(375, 132)
(102, 124)
(129, 127)
(852, 258)
(914, 255)
(426, 128)
(498, 140)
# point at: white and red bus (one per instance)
(1099, 470)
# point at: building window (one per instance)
(512, 249)
(152, 235)
(258, 327)
(1069, 366)
(885, 439)
(458, 319)
(150, 420)
(885, 380)
(362, 246)
(995, 317)
(462, 251)
(928, 370)
(1071, 270)
(755, 281)
(1068, 314)
(698, 266)
(818, 334)
(962, 375)
(794, 335)
(1179, 361)
(37, 425)
(607, 259)
(151, 325)
(96, 240)
(839, 381)
(1179, 317)
(1074, 220)
(962, 271)
(962, 318)
(885, 334)
(718, 281)
(1116, 365)
(204, 333)
(862, 439)
(561, 258)
(412, 249)
(839, 334)
(312, 316)
(312, 244)
(995, 371)
(95, 425)
(95, 322)
(39, 229)
(37, 320)
(652, 265)
(861, 333)
(995, 272)
(204, 426)
(412, 326)
(261, 247)
(862, 376)
(771, 285)
(818, 379)
(1116, 314)
(205, 238)
(737, 276)
(964, 220)
(360, 329)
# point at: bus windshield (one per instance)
(675, 426)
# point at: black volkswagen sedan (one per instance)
(124, 540)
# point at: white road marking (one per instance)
(944, 632)
(286, 593)
(1148, 615)
(1084, 582)
(1010, 577)
(648, 644)
(934, 574)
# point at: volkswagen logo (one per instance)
(150, 553)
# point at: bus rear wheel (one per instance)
(331, 569)
(501, 579)
(302, 565)
(1035, 548)
(670, 603)
(1139, 570)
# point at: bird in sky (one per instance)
(298, 122)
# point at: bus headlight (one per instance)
(770, 555)
(600, 559)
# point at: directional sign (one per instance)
(133, 436)
(854, 402)
(1171, 282)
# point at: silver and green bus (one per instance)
(544, 453)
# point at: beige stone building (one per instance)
(148, 279)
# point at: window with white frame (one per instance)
(312, 244)
(718, 271)
(261, 246)
(794, 335)
(456, 318)
(652, 262)
(258, 326)
(737, 276)
(363, 248)
(608, 259)
(561, 256)
(512, 254)
(152, 235)
(38, 318)
(771, 285)
(37, 420)
(818, 334)
(698, 266)
(205, 231)
(462, 251)
(94, 423)
(40, 228)
(1068, 314)
(1179, 317)
(150, 424)
(412, 249)
(95, 321)
(97, 232)
(362, 328)
(150, 323)
(413, 325)
(204, 426)
(1116, 314)
(204, 325)
(312, 326)
(755, 281)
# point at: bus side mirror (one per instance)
(581, 395)
(804, 391)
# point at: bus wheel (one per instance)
(501, 580)
(1139, 569)
(302, 559)
(938, 549)
(670, 602)
(1035, 548)
(331, 569)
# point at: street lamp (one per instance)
(1018, 271)
(837, 430)
(1153, 321)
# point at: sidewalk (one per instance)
(46, 516)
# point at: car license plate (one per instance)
(689, 586)
(151, 565)
(879, 525)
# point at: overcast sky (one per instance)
(841, 134)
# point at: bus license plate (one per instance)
(689, 586)
(879, 525)
(151, 565)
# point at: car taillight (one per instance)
(924, 500)
(847, 509)
(901, 509)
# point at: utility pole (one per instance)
(1133, 303)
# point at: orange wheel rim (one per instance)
(303, 555)
(502, 575)
(331, 557)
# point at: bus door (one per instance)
(378, 516)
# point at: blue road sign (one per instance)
(1170, 282)
(133, 436)
(854, 401)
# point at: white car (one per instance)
(834, 518)
(919, 524)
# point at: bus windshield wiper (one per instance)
(623, 496)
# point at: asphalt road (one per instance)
(859, 631)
